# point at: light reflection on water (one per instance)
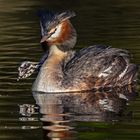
(59, 112)
(86, 106)
(106, 22)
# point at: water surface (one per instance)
(109, 22)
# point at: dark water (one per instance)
(113, 115)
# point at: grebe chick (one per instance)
(65, 70)
(26, 69)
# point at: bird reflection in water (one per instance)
(59, 111)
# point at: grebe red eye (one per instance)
(52, 31)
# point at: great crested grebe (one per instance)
(65, 70)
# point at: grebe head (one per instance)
(57, 30)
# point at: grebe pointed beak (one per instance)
(43, 39)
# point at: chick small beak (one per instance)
(43, 39)
(18, 78)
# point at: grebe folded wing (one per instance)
(99, 66)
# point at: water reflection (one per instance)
(59, 111)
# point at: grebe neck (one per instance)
(51, 74)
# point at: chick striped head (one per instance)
(26, 69)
